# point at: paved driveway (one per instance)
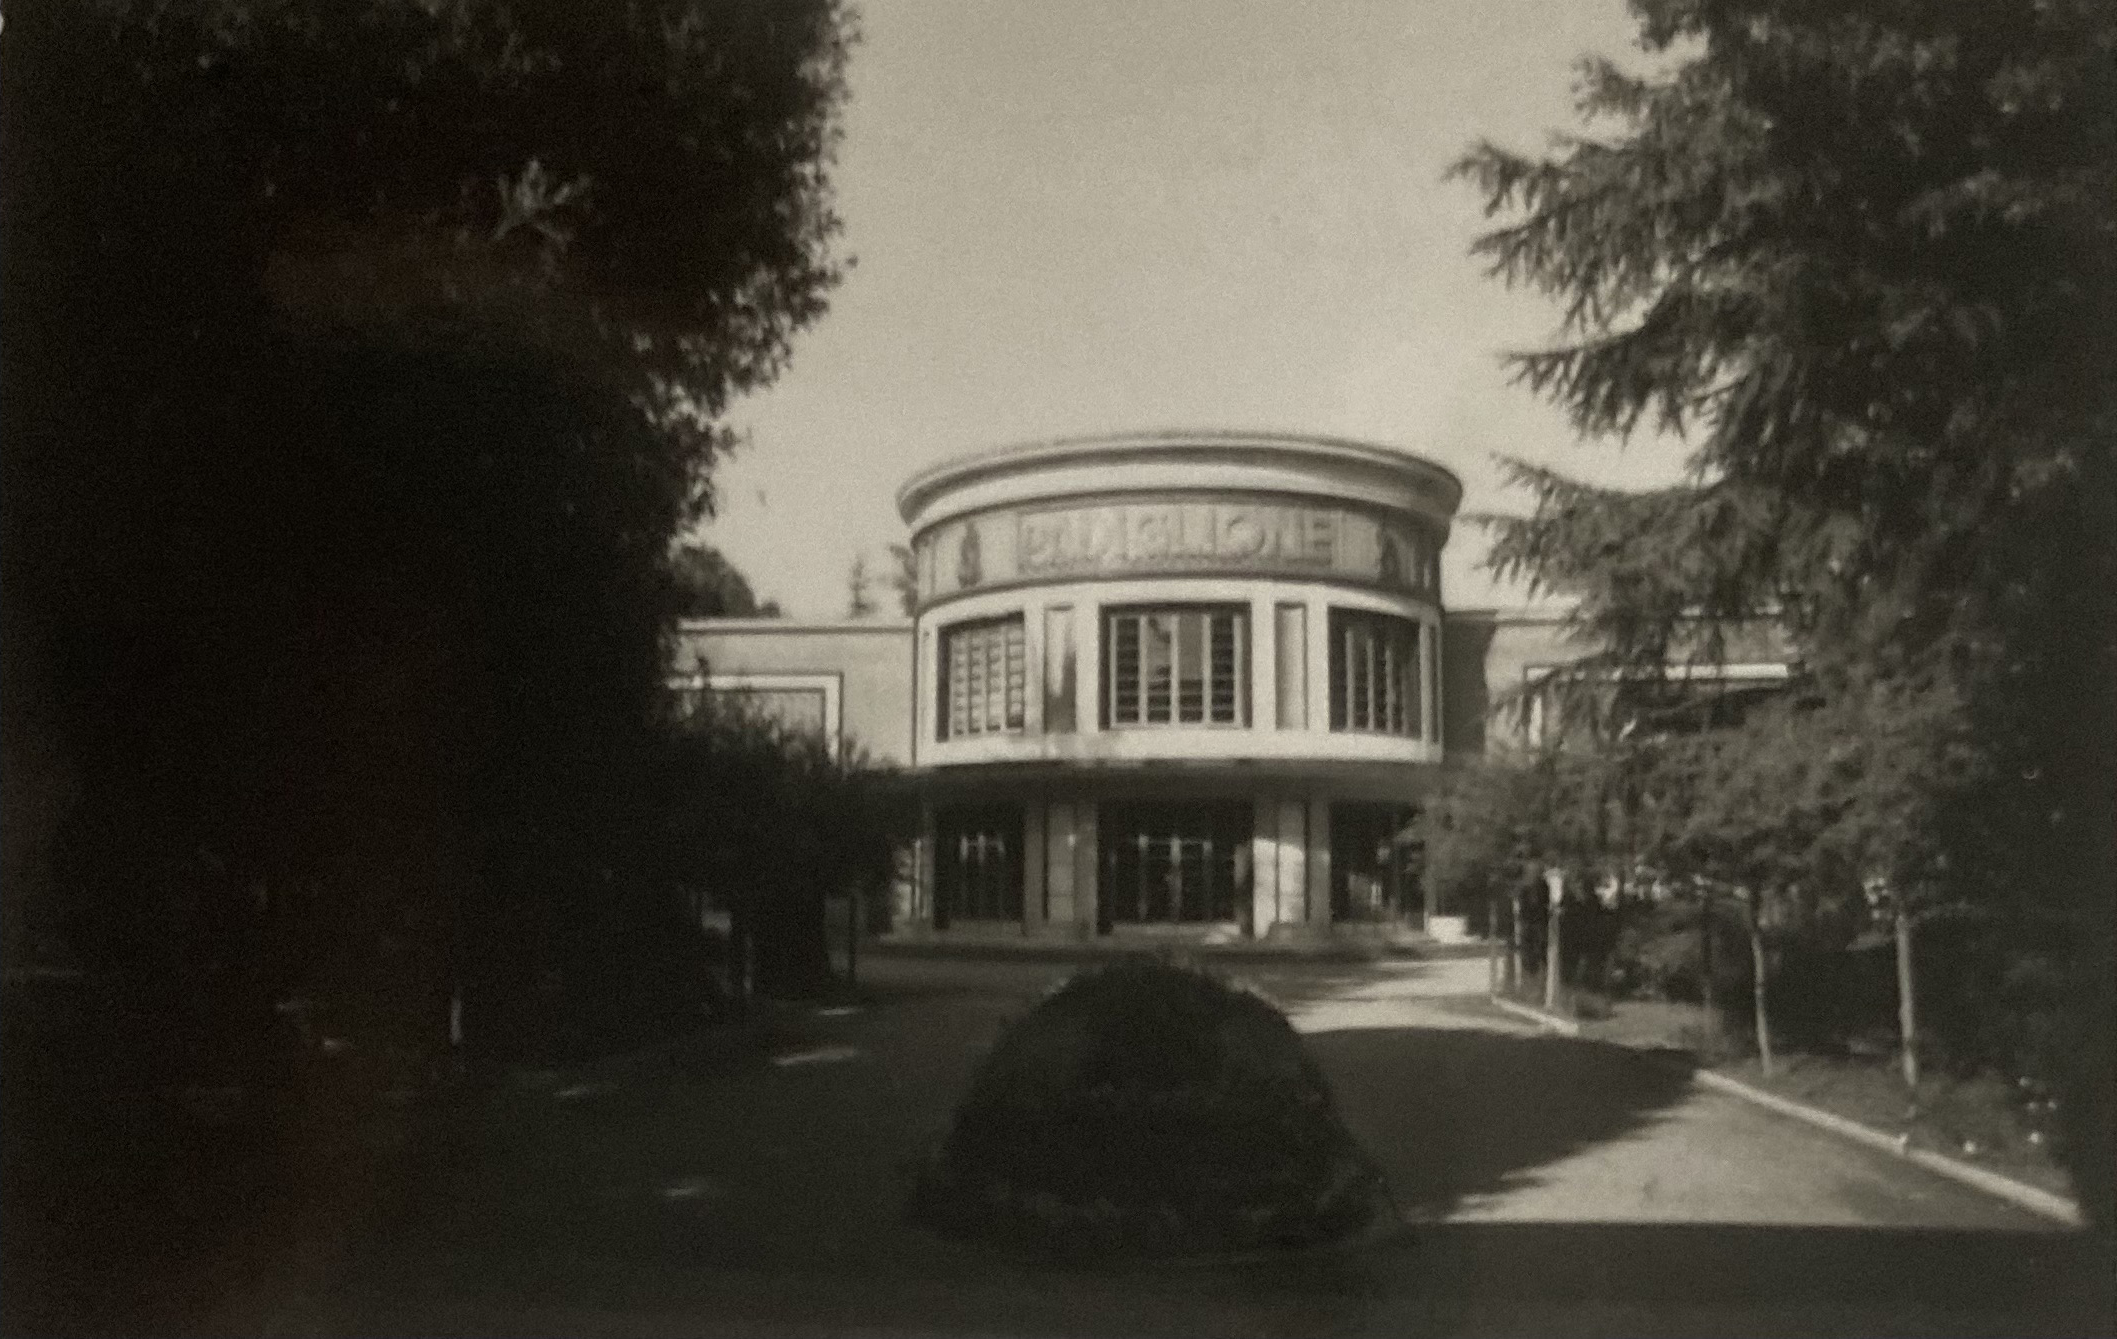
(1554, 1186)
(1480, 1117)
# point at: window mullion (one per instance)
(1384, 664)
(995, 680)
(1374, 671)
(1176, 622)
(1211, 624)
(1408, 683)
(1392, 700)
(1110, 693)
(1345, 635)
(1374, 674)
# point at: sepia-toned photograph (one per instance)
(938, 668)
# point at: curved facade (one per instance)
(1175, 683)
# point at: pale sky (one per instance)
(1114, 215)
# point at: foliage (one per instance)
(363, 362)
(709, 586)
(904, 578)
(1148, 1109)
(859, 583)
(767, 822)
(1481, 835)
(1859, 254)
(1658, 954)
(1862, 249)
(639, 193)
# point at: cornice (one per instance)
(1200, 448)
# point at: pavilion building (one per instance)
(1168, 684)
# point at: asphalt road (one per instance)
(1482, 1118)
(1549, 1185)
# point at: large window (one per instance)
(977, 863)
(984, 678)
(1374, 673)
(1187, 665)
(1170, 863)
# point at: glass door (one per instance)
(1173, 864)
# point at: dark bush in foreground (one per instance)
(1151, 1110)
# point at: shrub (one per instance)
(1656, 956)
(1149, 1109)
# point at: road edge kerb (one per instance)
(2018, 1193)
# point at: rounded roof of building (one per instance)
(1299, 451)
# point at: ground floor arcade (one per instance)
(1159, 858)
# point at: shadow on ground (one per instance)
(1451, 1113)
(753, 1183)
(1456, 1279)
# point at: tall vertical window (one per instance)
(1173, 862)
(984, 678)
(1179, 666)
(977, 863)
(1374, 673)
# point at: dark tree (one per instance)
(773, 822)
(362, 364)
(904, 578)
(859, 589)
(709, 586)
(1863, 255)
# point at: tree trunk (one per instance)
(1514, 944)
(1907, 1016)
(1551, 945)
(1758, 1002)
(1705, 960)
(792, 935)
(1492, 946)
(742, 956)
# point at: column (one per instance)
(926, 680)
(1292, 841)
(924, 862)
(1319, 663)
(1032, 676)
(1059, 842)
(1264, 664)
(1088, 668)
(1085, 861)
(1264, 865)
(1290, 677)
(1034, 909)
(1430, 679)
(1319, 862)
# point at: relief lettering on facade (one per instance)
(1156, 536)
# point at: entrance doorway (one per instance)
(1374, 863)
(977, 863)
(1173, 864)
